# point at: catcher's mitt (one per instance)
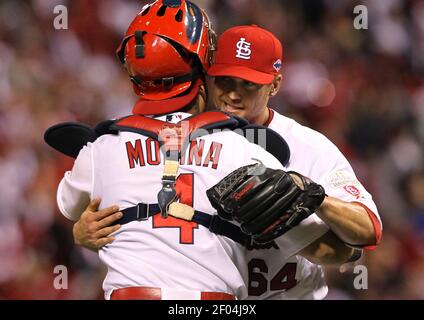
(266, 202)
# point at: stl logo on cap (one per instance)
(243, 49)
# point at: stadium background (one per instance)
(364, 89)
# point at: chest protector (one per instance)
(174, 138)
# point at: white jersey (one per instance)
(126, 169)
(277, 273)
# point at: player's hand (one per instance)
(93, 229)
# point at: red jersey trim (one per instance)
(270, 117)
(378, 231)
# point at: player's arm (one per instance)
(270, 204)
(330, 250)
(93, 229)
(74, 190)
(281, 201)
(349, 221)
(348, 208)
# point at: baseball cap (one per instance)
(248, 52)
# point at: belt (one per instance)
(149, 293)
(214, 223)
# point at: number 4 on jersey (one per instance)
(184, 189)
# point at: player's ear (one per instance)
(275, 85)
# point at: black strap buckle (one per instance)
(143, 211)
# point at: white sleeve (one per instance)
(296, 239)
(340, 182)
(75, 188)
(335, 174)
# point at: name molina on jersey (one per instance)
(148, 152)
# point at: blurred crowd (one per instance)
(364, 89)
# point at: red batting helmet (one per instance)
(166, 49)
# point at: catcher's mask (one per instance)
(165, 50)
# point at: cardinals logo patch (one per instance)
(354, 191)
